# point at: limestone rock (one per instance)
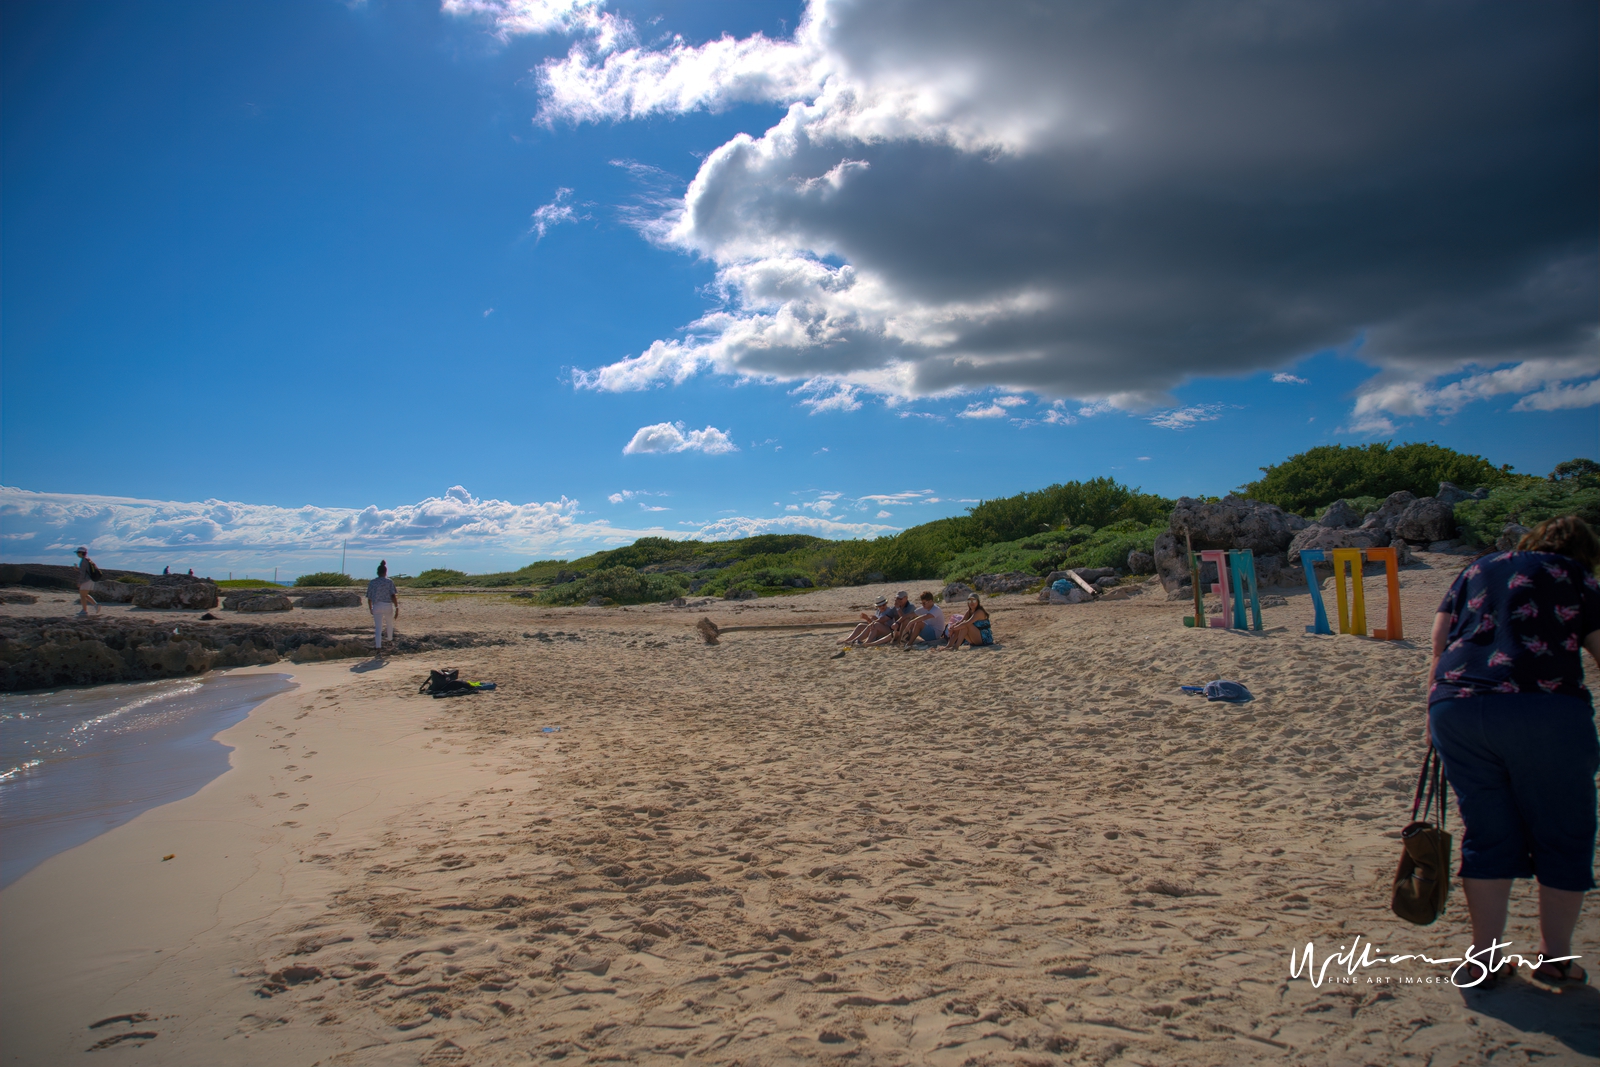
(1141, 562)
(109, 592)
(1452, 494)
(333, 598)
(1393, 506)
(740, 594)
(264, 603)
(957, 593)
(1328, 539)
(1339, 516)
(236, 597)
(18, 598)
(186, 594)
(1009, 582)
(1510, 534)
(1425, 521)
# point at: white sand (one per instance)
(759, 853)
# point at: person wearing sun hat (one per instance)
(872, 626)
(86, 572)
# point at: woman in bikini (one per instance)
(973, 627)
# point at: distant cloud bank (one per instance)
(457, 529)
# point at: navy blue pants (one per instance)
(1522, 766)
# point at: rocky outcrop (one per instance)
(1330, 538)
(18, 598)
(338, 598)
(1141, 562)
(1340, 515)
(957, 593)
(1393, 506)
(1453, 495)
(1510, 534)
(110, 592)
(258, 604)
(1234, 522)
(1009, 582)
(1425, 521)
(36, 653)
(236, 597)
(174, 593)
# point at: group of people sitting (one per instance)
(903, 624)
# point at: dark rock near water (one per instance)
(264, 603)
(337, 598)
(174, 593)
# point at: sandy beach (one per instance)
(644, 849)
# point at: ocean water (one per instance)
(75, 763)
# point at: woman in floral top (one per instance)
(1509, 713)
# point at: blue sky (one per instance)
(434, 279)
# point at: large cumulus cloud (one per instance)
(1099, 200)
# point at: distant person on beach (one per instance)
(166, 570)
(873, 626)
(921, 619)
(972, 626)
(87, 573)
(1514, 724)
(383, 600)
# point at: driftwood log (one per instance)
(711, 631)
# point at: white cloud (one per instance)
(960, 197)
(983, 411)
(883, 515)
(1184, 418)
(1057, 417)
(1541, 384)
(731, 528)
(548, 216)
(1285, 378)
(828, 396)
(666, 437)
(912, 496)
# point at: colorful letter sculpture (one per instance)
(1243, 562)
(1352, 608)
(1309, 558)
(1233, 593)
(1391, 566)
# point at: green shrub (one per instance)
(437, 577)
(623, 585)
(324, 578)
(1482, 520)
(231, 583)
(1581, 471)
(1312, 480)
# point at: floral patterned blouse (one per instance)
(1517, 624)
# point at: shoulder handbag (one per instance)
(1422, 881)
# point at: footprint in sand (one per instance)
(300, 807)
(304, 778)
(280, 796)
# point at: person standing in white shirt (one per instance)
(383, 600)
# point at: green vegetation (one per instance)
(436, 577)
(1312, 480)
(324, 578)
(249, 583)
(1076, 524)
(1527, 503)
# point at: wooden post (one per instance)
(1194, 578)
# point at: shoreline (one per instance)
(108, 928)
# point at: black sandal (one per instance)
(1560, 974)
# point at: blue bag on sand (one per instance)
(1061, 585)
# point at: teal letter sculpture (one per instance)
(1242, 564)
(1309, 557)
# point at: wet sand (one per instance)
(762, 852)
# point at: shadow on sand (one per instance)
(373, 664)
(1571, 1016)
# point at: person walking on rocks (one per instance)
(87, 572)
(383, 600)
